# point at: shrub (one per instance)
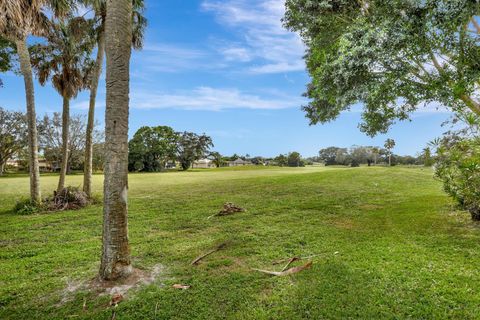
(458, 167)
(27, 207)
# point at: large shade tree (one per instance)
(13, 134)
(151, 147)
(115, 261)
(392, 56)
(138, 23)
(65, 60)
(18, 20)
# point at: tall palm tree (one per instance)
(115, 262)
(19, 19)
(65, 59)
(138, 24)
(389, 145)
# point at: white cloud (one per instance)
(171, 58)
(84, 105)
(213, 99)
(259, 23)
(236, 54)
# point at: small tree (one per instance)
(389, 145)
(217, 158)
(342, 157)
(281, 160)
(294, 159)
(192, 147)
(13, 135)
(427, 157)
(328, 155)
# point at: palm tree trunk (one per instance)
(26, 69)
(87, 176)
(115, 261)
(65, 134)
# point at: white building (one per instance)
(203, 164)
(239, 162)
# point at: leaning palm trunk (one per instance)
(65, 134)
(87, 177)
(26, 70)
(115, 262)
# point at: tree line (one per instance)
(13, 141)
(370, 155)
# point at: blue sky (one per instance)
(228, 69)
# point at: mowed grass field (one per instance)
(388, 244)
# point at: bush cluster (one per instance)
(458, 167)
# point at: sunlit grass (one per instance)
(389, 245)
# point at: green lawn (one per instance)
(389, 243)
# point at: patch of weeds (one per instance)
(27, 207)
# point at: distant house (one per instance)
(13, 163)
(203, 164)
(170, 165)
(44, 165)
(239, 162)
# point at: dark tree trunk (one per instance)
(115, 262)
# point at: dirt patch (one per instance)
(137, 279)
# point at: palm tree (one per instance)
(139, 24)
(389, 145)
(19, 19)
(65, 60)
(115, 262)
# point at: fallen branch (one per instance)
(290, 262)
(286, 272)
(219, 247)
